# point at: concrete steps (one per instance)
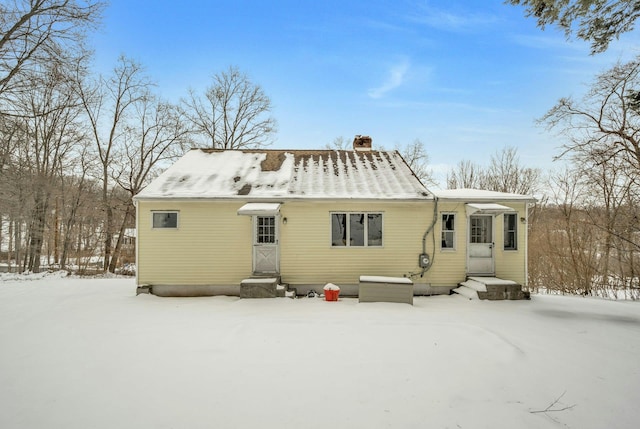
(259, 287)
(491, 288)
(466, 292)
(265, 287)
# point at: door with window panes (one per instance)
(265, 244)
(480, 255)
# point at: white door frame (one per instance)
(481, 257)
(265, 255)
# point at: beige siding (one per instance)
(450, 266)
(309, 258)
(510, 264)
(213, 245)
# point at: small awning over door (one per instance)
(260, 209)
(488, 208)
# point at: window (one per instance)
(510, 231)
(481, 229)
(265, 229)
(448, 230)
(165, 219)
(356, 229)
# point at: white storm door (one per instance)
(265, 244)
(480, 254)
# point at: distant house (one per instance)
(217, 219)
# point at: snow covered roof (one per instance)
(287, 174)
(480, 195)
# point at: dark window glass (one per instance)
(510, 231)
(165, 219)
(338, 229)
(374, 229)
(356, 224)
(448, 230)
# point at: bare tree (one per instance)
(232, 114)
(35, 31)
(599, 223)
(39, 39)
(603, 125)
(155, 135)
(75, 186)
(466, 175)
(14, 169)
(339, 143)
(50, 111)
(415, 155)
(602, 134)
(505, 174)
(563, 251)
(106, 103)
(596, 21)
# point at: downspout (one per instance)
(135, 204)
(426, 233)
(526, 245)
(139, 288)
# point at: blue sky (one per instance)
(465, 77)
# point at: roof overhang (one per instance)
(260, 209)
(488, 208)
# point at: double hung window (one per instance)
(448, 231)
(510, 231)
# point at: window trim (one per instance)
(366, 244)
(515, 232)
(452, 231)
(177, 213)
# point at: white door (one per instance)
(480, 254)
(265, 244)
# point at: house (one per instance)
(486, 233)
(218, 221)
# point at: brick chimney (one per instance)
(362, 143)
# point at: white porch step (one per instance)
(466, 292)
(492, 281)
(475, 285)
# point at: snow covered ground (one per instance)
(88, 353)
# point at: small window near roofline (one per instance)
(165, 220)
(510, 231)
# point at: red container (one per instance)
(331, 295)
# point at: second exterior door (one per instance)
(480, 246)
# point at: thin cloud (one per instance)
(394, 79)
(547, 42)
(453, 22)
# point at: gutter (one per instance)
(275, 199)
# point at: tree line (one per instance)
(76, 145)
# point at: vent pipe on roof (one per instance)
(362, 143)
